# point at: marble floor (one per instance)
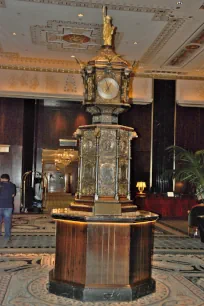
(24, 282)
(178, 267)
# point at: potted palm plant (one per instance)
(189, 168)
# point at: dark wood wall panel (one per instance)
(28, 135)
(140, 251)
(11, 133)
(190, 127)
(56, 123)
(104, 242)
(163, 132)
(11, 163)
(11, 121)
(139, 117)
(71, 252)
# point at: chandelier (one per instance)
(66, 157)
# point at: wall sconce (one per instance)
(141, 186)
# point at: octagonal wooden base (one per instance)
(101, 293)
(103, 261)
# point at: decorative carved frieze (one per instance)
(88, 157)
(70, 84)
(104, 161)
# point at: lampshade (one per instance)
(141, 186)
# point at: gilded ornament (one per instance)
(90, 88)
(108, 29)
(97, 132)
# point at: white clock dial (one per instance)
(108, 88)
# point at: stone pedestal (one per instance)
(103, 258)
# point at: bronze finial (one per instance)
(108, 29)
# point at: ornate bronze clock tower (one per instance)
(105, 146)
(103, 244)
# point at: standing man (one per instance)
(7, 194)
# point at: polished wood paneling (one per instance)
(163, 132)
(71, 252)
(11, 163)
(105, 254)
(141, 248)
(58, 123)
(11, 121)
(166, 207)
(28, 135)
(139, 117)
(190, 127)
(11, 133)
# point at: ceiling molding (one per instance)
(14, 59)
(164, 36)
(160, 14)
(155, 74)
(189, 50)
(40, 69)
(159, 11)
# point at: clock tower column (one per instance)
(105, 146)
(103, 244)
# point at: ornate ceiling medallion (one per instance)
(76, 38)
(68, 36)
(60, 35)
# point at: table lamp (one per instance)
(141, 186)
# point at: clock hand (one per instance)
(109, 85)
(106, 86)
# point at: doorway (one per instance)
(60, 167)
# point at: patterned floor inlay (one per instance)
(178, 243)
(24, 282)
(29, 241)
(47, 242)
(32, 223)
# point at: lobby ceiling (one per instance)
(165, 37)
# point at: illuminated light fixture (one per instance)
(73, 56)
(80, 15)
(66, 157)
(179, 2)
(4, 148)
(135, 43)
(141, 186)
(14, 34)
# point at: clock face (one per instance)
(108, 88)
